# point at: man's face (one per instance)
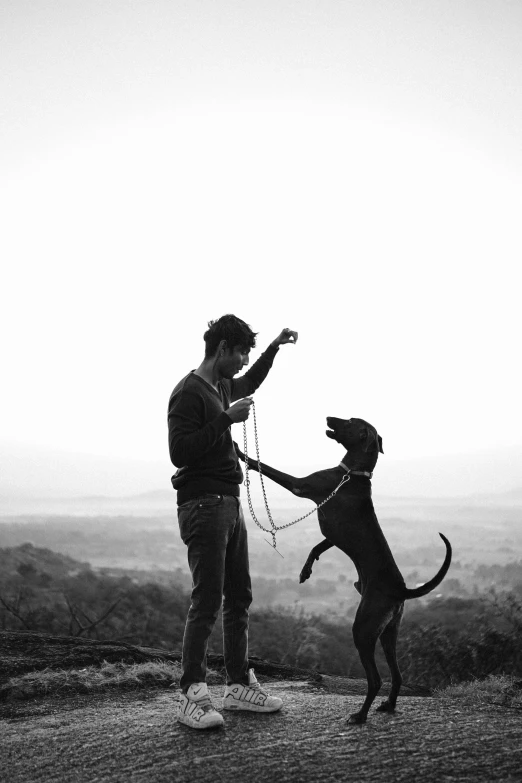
(234, 360)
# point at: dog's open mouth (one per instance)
(331, 431)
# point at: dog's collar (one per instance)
(351, 472)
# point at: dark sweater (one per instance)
(200, 441)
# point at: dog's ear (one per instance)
(372, 441)
(367, 438)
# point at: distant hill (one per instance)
(162, 503)
(26, 559)
(30, 473)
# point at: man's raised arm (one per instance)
(254, 377)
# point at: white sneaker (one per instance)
(196, 710)
(250, 697)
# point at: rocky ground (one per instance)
(134, 736)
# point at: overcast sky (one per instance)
(348, 169)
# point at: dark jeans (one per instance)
(213, 528)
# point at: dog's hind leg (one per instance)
(389, 645)
(376, 611)
(366, 630)
(366, 650)
(315, 554)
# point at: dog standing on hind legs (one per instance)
(348, 521)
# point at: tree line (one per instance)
(445, 640)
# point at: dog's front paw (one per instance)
(239, 452)
(306, 573)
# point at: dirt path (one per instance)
(134, 737)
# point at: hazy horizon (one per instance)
(38, 472)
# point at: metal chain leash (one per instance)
(274, 527)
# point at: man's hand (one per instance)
(240, 411)
(286, 336)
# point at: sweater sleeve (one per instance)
(188, 439)
(254, 377)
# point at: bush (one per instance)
(488, 643)
(504, 690)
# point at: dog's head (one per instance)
(356, 435)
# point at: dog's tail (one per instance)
(418, 592)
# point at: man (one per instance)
(202, 408)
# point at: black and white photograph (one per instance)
(260, 420)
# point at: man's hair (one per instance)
(229, 328)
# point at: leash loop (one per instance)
(273, 527)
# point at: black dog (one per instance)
(348, 522)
